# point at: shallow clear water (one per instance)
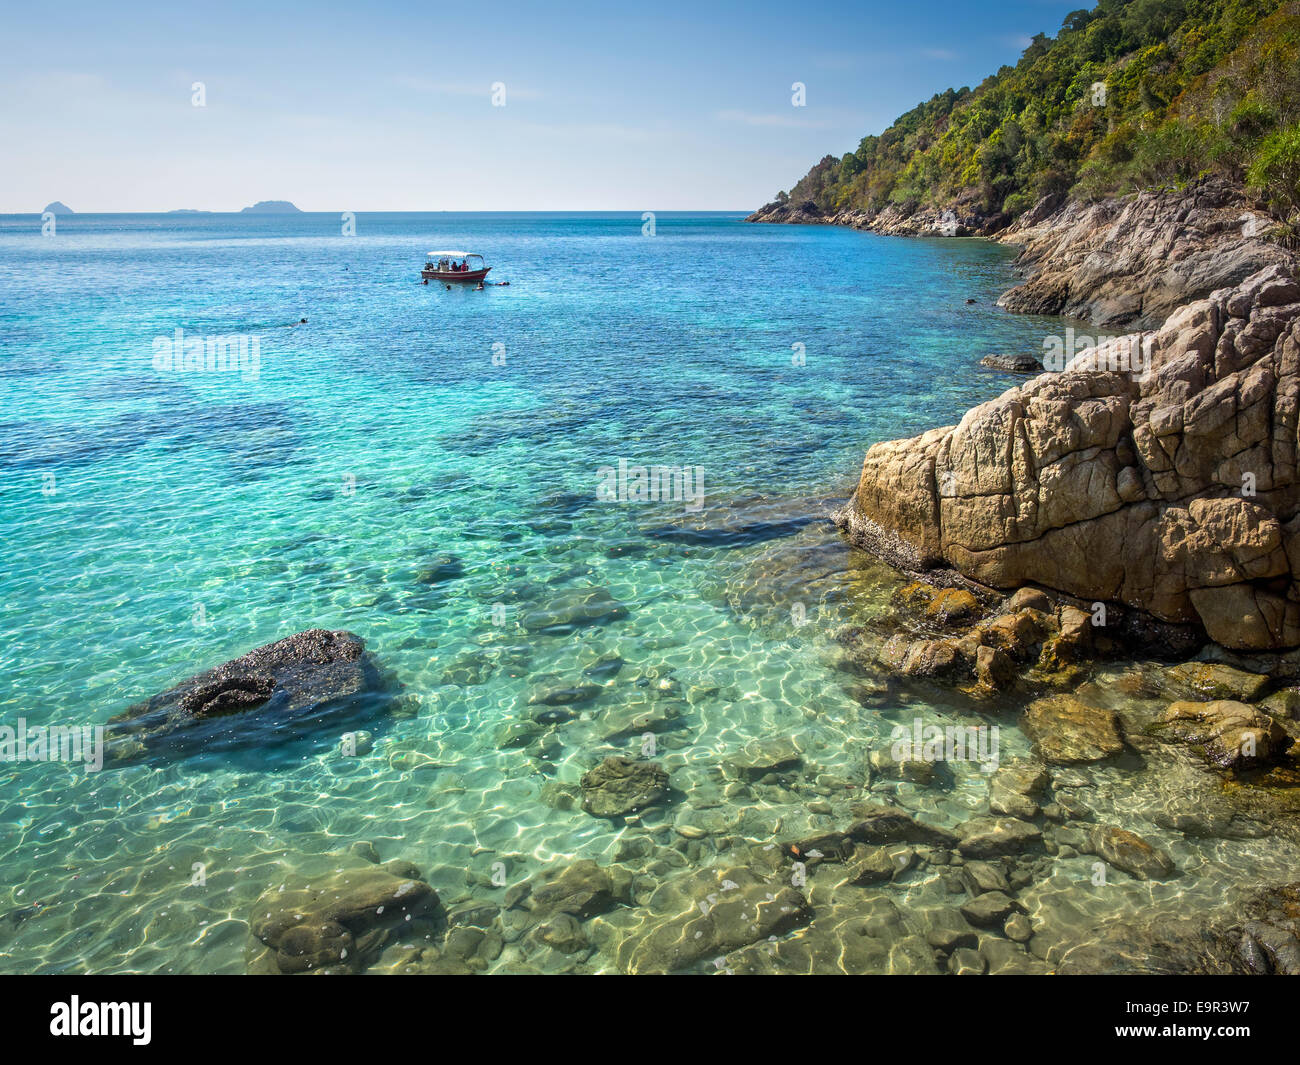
(156, 523)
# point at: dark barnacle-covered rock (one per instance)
(278, 692)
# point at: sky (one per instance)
(619, 105)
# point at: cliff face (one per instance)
(1159, 470)
(1133, 261)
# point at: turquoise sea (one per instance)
(420, 466)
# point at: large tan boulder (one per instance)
(1157, 470)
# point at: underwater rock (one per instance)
(1164, 946)
(555, 690)
(441, 570)
(979, 877)
(561, 932)
(637, 717)
(871, 865)
(1014, 788)
(1068, 731)
(468, 670)
(466, 950)
(1018, 928)
(1284, 704)
(707, 913)
(519, 734)
(878, 823)
(760, 757)
(341, 921)
(1130, 852)
(919, 771)
(1269, 942)
(923, 658)
(966, 962)
(989, 909)
(870, 935)
(1231, 735)
(356, 744)
(278, 692)
(619, 786)
(992, 837)
(953, 933)
(582, 889)
(573, 609)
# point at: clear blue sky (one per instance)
(618, 105)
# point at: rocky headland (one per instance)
(1156, 470)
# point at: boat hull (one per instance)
(460, 276)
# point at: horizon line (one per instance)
(447, 210)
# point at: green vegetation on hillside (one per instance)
(1130, 95)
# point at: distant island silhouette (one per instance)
(271, 207)
(58, 207)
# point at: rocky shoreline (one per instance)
(1119, 262)
(1158, 470)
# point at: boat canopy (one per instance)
(453, 255)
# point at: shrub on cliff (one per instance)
(1276, 169)
(1130, 94)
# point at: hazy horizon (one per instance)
(372, 211)
(689, 107)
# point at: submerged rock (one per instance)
(1014, 789)
(441, 570)
(338, 922)
(992, 837)
(555, 690)
(760, 757)
(1130, 852)
(639, 716)
(878, 823)
(705, 914)
(280, 691)
(1269, 942)
(574, 609)
(923, 658)
(1068, 731)
(990, 909)
(581, 890)
(619, 786)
